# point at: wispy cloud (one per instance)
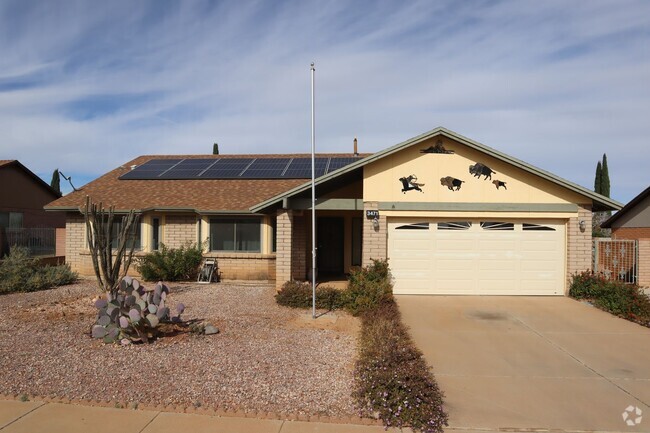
(86, 86)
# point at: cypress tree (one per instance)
(604, 182)
(599, 178)
(215, 149)
(55, 183)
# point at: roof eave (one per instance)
(608, 203)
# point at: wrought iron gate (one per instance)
(616, 259)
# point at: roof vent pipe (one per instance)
(356, 150)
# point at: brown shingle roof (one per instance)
(6, 161)
(210, 195)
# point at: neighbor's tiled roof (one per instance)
(200, 195)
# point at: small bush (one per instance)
(586, 285)
(616, 297)
(296, 294)
(369, 288)
(171, 264)
(21, 273)
(393, 381)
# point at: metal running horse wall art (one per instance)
(410, 183)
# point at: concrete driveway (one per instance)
(525, 363)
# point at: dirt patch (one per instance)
(331, 320)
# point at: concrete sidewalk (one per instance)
(42, 417)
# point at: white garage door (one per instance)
(477, 257)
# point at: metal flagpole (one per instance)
(313, 196)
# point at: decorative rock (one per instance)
(210, 330)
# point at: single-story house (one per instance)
(22, 197)
(451, 215)
(633, 222)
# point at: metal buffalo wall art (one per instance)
(410, 183)
(438, 148)
(479, 170)
(451, 183)
(499, 183)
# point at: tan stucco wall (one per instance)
(381, 179)
(381, 184)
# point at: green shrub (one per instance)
(392, 378)
(586, 285)
(296, 294)
(369, 287)
(171, 264)
(616, 297)
(627, 301)
(21, 273)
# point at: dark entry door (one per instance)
(329, 238)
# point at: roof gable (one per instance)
(5, 163)
(639, 204)
(598, 200)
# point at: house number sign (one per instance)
(372, 214)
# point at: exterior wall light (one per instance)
(375, 223)
(583, 225)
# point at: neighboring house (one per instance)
(22, 197)
(445, 228)
(633, 222)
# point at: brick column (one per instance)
(579, 243)
(374, 240)
(299, 247)
(643, 264)
(75, 243)
(283, 263)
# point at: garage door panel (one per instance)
(453, 265)
(478, 260)
(498, 267)
(454, 244)
(539, 265)
(456, 285)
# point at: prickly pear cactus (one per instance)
(134, 313)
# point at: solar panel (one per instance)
(270, 168)
(336, 163)
(187, 169)
(227, 168)
(300, 168)
(150, 169)
(236, 168)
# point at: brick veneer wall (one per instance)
(374, 240)
(179, 229)
(631, 233)
(300, 241)
(75, 245)
(60, 242)
(245, 266)
(579, 243)
(283, 260)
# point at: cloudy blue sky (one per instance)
(86, 86)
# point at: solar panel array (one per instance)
(236, 168)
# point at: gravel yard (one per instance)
(267, 358)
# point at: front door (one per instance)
(329, 238)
